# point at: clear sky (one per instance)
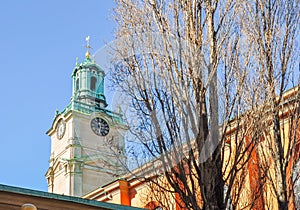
(39, 42)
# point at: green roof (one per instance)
(36, 193)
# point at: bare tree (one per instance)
(178, 63)
(270, 29)
(188, 67)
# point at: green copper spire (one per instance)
(88, 84)
(88, 88)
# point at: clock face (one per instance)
(99, 126)
(60, 129)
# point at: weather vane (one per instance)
(87, 54)
(87, 39)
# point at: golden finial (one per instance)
(87, 54)
(76, 61)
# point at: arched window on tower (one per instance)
(93, 83)
(77, 84)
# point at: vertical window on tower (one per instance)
(77, 84)
(93, 83)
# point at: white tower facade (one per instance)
(87, 140)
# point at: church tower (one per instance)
(87, 140)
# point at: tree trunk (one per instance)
(213, 185)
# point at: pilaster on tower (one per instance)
(88, 84)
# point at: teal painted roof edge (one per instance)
(37, 193)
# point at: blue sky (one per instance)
(39, 42)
